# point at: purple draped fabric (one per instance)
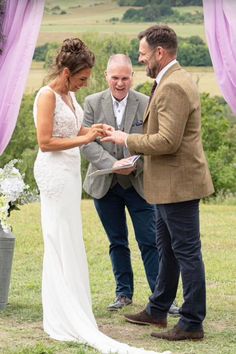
(21, 27)
(220, 27)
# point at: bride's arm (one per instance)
(83, 130)
(46, 107)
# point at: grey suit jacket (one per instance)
(98, 108)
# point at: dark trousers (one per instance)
(111, 210)
(179, 246)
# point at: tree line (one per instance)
(160, 10)
(192, 51)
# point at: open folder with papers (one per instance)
(121, 164)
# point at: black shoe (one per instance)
(120, 302)
(177, 333)
(143, 318)
(174, 310)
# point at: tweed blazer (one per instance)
(98, 108)
(175, 166)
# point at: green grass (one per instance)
(21, 323)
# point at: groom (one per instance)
(176, 177)
(123, 109)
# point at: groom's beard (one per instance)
(152, 72)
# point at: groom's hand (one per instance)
(117, 137)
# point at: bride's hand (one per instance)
(106, 128)
(93, 133)
(103, 126)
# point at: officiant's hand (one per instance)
(116, 136)
(123, 171)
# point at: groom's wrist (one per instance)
(125, 140)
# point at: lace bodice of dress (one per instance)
(51, 167)
(66, 123)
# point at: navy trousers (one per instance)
(179, 246)
(111, 210)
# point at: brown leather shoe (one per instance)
(143, 318)
(178, 334)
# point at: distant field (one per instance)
(94, 16)
(192, 9)
(36, 76)
(204, 76)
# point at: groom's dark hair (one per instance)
(160, 35)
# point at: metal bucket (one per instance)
(7, 244)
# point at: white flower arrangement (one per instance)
(12, 192)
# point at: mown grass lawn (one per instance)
(21, 323)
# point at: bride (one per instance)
(67, 308)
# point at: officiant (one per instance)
(114, 193)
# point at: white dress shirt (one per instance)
(119, 109)
(164, 70)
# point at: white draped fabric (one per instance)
(21, 25)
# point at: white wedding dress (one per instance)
(67, 307)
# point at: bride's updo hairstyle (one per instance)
(74, 55)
